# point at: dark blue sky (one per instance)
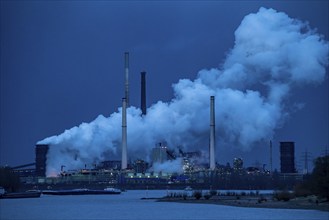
(62, 64)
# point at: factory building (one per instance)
(41, 151)
(111, 165)
(159, 153)
(287, 157)
(237, 164)
(140, 166)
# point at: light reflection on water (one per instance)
(129, 206)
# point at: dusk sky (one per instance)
(62, 64)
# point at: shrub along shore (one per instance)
(280, 199)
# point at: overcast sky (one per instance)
(62, 64)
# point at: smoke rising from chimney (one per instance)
(272, 55)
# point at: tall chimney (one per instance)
(124, 134)
(127, 77)
(271, 168)
(143, 92)
(212, 134)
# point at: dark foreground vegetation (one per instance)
(318, 182)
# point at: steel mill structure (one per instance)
(126, 172)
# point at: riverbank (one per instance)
(309, 202)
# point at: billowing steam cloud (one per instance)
(169, 166)
(272, 54)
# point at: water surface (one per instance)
(129, 206)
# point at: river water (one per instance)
(129, 206)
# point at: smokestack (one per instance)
(212, 134)
(271, 168)
(127, 77)
(124, 134)
(143, 92)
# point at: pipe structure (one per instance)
(212, 162)
(124, 135)
(143, 92)
(127, 77)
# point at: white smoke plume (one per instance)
(174, 166)
(273, 53)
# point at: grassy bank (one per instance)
(254, 201)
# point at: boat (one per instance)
(111, 189)
(20, 195)
(188, 188)
(83, 191)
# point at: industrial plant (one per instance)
(168, 166)
(192, 170)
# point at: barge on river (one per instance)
(106, 191)
(21, 195)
